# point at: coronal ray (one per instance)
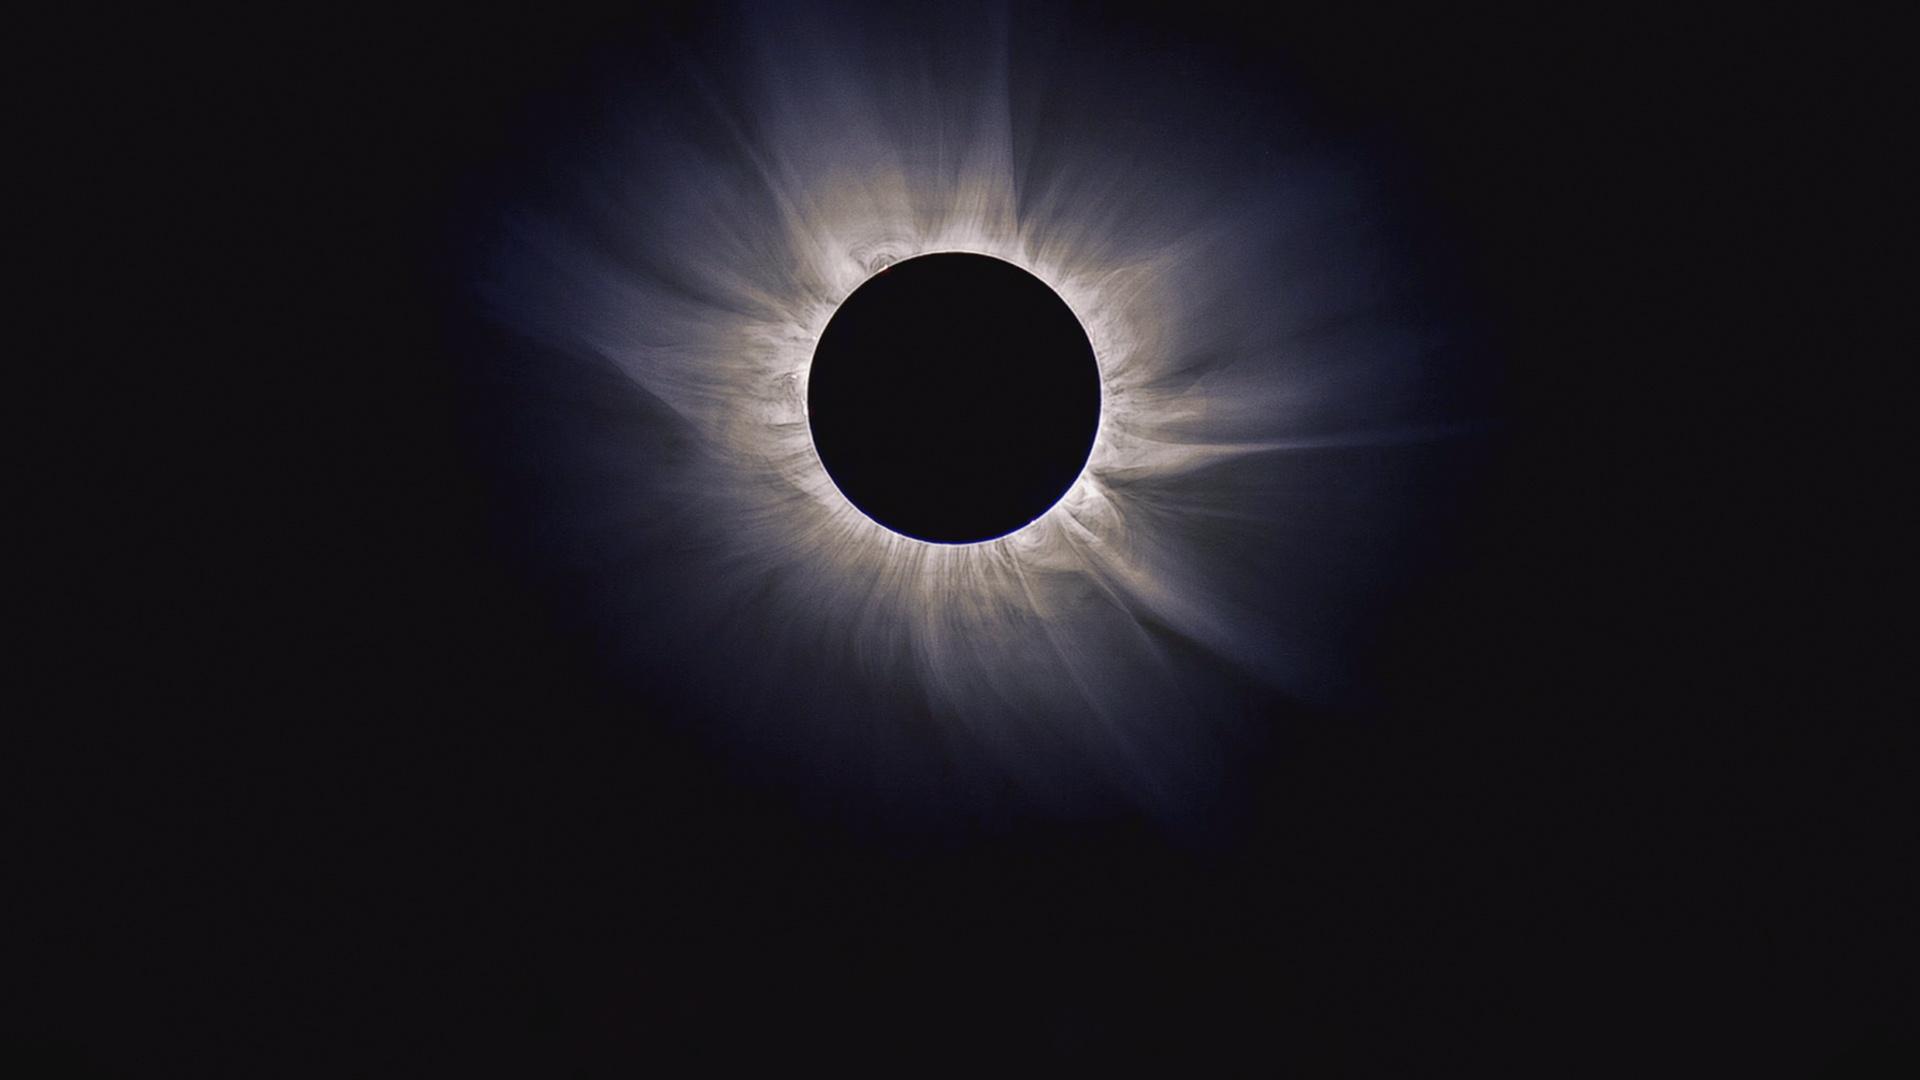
(1262, 385)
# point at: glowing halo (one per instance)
(1263, 425)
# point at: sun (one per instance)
(805, 513)
(954, 398)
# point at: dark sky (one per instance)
(1628, 802)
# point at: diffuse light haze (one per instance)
(1263, 448)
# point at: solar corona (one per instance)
(923, 425)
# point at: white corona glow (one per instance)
(1237, 307)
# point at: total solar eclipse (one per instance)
(972, 438)
(954, 397)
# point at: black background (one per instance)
(1628, 803)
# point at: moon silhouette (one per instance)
(954, 398)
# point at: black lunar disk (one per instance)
(954, 397)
